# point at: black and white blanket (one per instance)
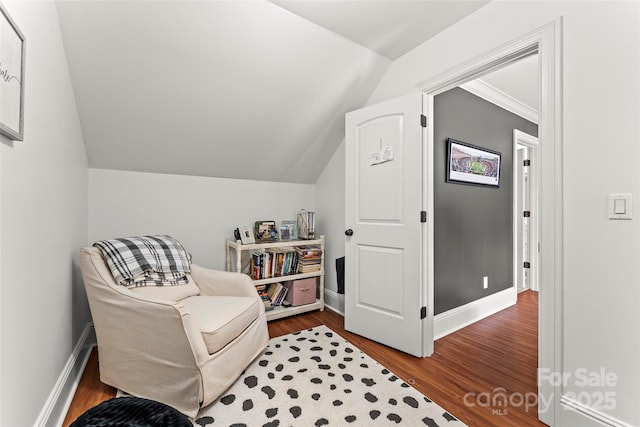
(146, 260)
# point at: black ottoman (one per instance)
(132, 412)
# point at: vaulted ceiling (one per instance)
(234, 89)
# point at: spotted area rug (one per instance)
(316, 378)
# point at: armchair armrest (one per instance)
(214, 282)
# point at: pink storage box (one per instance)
(301, 291)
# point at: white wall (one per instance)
(331, 204)
(200, 212)
(43, 199)
(601, 51)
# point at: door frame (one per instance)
(531, 142)
(546, 41)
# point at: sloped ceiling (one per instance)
(388, 27)
(234, 89)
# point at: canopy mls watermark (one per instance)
(596, 392)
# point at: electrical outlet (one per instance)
(485, 282)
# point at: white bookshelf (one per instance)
(235, 249)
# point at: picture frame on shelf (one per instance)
(12, 59)
(246, 235)
(470, 164)
(265, 231)
(288, 230)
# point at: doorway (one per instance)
(526, 242)
(474, 244)
(545, 42)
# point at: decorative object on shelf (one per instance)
(301, 292)
(12, 74)
(306, 225)
(469, 164)
(288, 230)
(245, 235)
(265, 231)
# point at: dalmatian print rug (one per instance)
(316, 378)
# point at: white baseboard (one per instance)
(576, 414)
(334, 301)
(452, 320)
(459, 317)
(59, 400)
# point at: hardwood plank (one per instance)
(90, 392)
(495, 354)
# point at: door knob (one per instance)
(348, 232)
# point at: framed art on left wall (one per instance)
(12, 54)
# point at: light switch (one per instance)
(620, 206)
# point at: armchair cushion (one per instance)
(233, 316)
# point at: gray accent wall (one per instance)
(473, 224)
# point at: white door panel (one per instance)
(379, 265)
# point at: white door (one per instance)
(385, 286)
(526, 186)
(521, 188)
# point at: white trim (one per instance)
(334, 301)
(428, 232)
(459, 317)
(550, 300)
(586, 416)
(53, 413)
(495, 96)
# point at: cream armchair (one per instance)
(179, 345)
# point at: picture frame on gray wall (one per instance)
(471, 164)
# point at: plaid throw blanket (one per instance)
(146, 260)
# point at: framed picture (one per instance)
(469, 164)
(288, 230)
(265, 231)
(12, 46)
(246, 235)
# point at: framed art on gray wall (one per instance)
(469, 164)
(12, 47)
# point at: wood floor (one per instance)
(483, 374)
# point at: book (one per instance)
(281, 295)
(309, 259)
(256, 267)
(274, 291)
(309, 251)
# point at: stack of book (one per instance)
(264, 296)
(273, 262)
(276, 293)
(309, 258)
